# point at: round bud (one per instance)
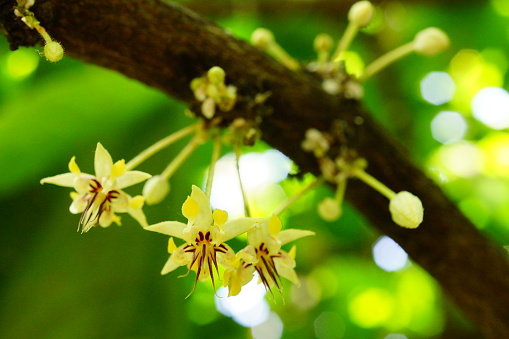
(262, 38)
(329, 209)
(431, 41)
(155, 189)
(361, 13)
(53, 51)
(216, 75)
(406, 210)
(323, 43)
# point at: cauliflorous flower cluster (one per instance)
(204, 238)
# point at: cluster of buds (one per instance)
(212, 91)
(405, 208)
(329, 64)
(53, 50)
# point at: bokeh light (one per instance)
(371, 307)
(272, 328)
(259, 173)
(329, 325)
(461, 159)
(501, 7)
(438, 88)
(21, 63)
(448, 127)
(249, 308)
(388, 255)
(491, 107)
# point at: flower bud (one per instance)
(53, 51)
(323, 42)
(155, 189)
(361, 13)
(431, 41)
(406, 210)
(329, 209)
(216, 75)
(262, 38)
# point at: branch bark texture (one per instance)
(166, 46)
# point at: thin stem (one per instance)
(247, 211)
(340, 190)
(288, 202)
(216, 152)
(346, 40)
(158, 146)
(377, 185)
(181, 157)
(386, 59)
(283, 57)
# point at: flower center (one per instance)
(266, 267)
(204, 256)
(97, 204)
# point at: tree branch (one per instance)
(165, 46)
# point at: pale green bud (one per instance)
(406, 210)
(262, 38)
(53, 51)
(361, 13)
(216, 75)
(323, 43)
(329, 209)
(431, 41)
(155, 189)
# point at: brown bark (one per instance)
(165, 46)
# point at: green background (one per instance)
(57, 283)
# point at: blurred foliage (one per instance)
(57, 283)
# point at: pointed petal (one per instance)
(139, 216)
(78, 205)
(65, 180)
(236, 227)
(131, 178)
(285, 267)
(102, 162)
(204, 218)
(258, 233)
(172, 228)
(287, 272)
(170, 265)
(292, 234)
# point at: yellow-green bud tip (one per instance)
(406, 210)
(262, 38)
(53, 51)
(361, 13)
(216, 75)
(323, 42)
(155, 189)
(329, 209)
(431, 41)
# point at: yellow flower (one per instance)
(265, 256)
(205, 235)
(99, 197)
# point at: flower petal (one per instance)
(172, 228)
(285, 267)
(292, 234)
(102, 162)
(131, 178)
(170, 265)
(204, 218)
(65, 180)
(236, 227)
(139, 216)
